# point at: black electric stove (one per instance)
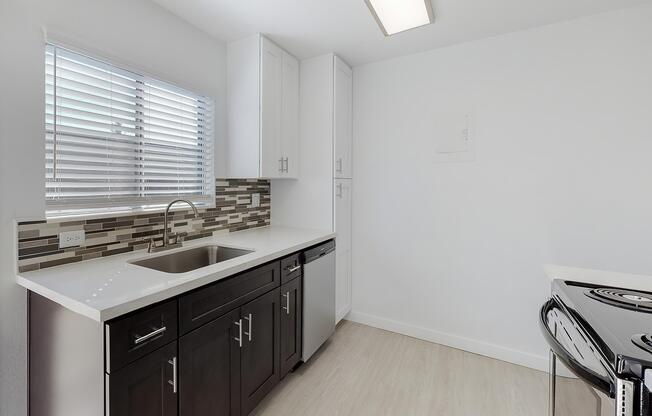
(604, 336)
(617, 319)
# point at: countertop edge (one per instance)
(65, 301)
(103, 315)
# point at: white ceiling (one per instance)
(309, 28)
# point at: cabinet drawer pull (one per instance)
(239, 337)
(152, 334)
(250, 319)
(281, 162)
(291, 269)
(287, 165)
(339, 165)
(173, 382)
(287, 302)
(339, 190)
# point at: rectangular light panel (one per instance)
(394, 16)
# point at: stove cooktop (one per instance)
(619, 320)
(622, 298)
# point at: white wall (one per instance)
(562, 174)
(137, 33)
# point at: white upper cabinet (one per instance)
(263, 107)
(290, 116)
(342, 118)
(272, 164)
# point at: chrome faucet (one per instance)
(166, 243)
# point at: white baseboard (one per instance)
(342, 314)
(467, 344)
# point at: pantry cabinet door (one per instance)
(271, 103)
(343, 119)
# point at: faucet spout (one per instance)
(165, 218)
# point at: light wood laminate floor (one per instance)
(367, 371)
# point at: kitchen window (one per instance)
(118, 141)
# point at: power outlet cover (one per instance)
(72, 238)
(255, 200)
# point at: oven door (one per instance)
(572, 352)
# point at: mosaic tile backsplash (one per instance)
(38, 241)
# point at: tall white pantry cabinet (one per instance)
(321, 197)
(342, 212)
(262, 110)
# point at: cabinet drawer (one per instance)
(213, 301)
(290, 267)
(134, 336)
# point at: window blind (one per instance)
(120, 141)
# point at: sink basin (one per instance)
(192, 259)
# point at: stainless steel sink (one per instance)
(192, 259)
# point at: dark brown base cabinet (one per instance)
(209, 378)
(147, 387)
(260, 365)
(291, 325)
(228, 365)
(217, 350)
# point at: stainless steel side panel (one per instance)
(66, 367)
(318, 303)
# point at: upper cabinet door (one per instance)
(343, 120)
(272, 164)
(290, 116)
(263, 110)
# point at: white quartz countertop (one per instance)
(105, 288)
(600, 277)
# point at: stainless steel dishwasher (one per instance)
(318, 297)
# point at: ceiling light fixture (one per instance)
(394, 16)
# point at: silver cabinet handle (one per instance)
(287, 164)
(339, 165)
(250, 319)
(173, 382)
(287, 302)
(292, 269)
(281, 162)
(339, 190)
(152, 334)
(239, 337)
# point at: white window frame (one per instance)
(149, 194)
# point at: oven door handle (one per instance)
(601, 383)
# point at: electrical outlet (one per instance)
(72, 238)
(255, 200)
